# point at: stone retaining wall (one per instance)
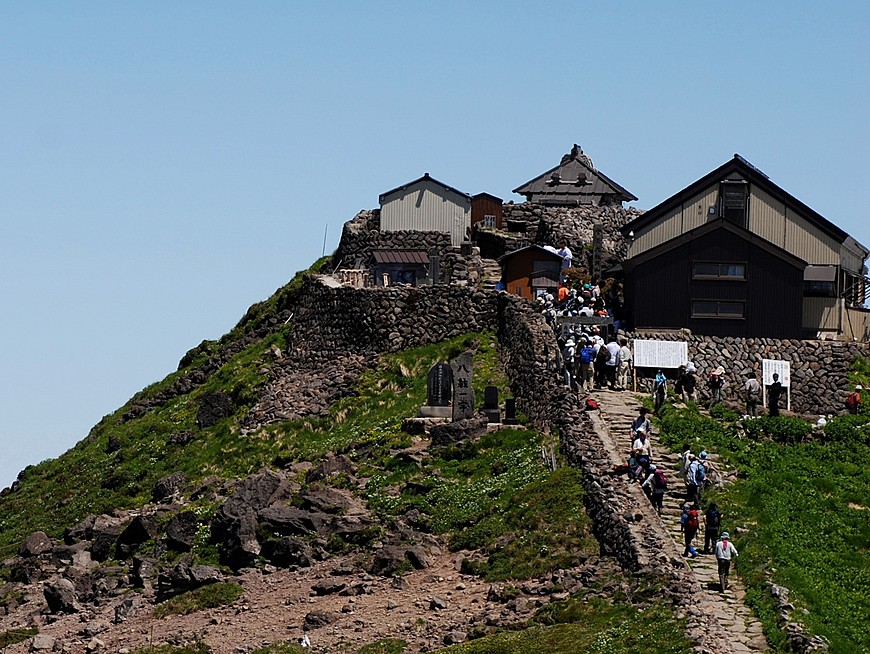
(819, 369)
(362, 235)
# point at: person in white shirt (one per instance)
(725, 551)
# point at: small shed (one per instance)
(427, 205)
(400, 267)
(486, 211)
(531, 271)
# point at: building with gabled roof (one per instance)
(427, 205)
(573, 182)
(734, 254)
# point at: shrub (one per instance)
(13, 636)
(781, 429)
(849, 429)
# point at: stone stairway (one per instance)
(491, 273)
(618, 410)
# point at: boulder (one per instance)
(214, 408)
(287, 552)
(35, 544)
(141, 529)
(43, 643)
(291, 521)
(60, 595)
(459, 431)
(181, 531)
(105, 532)
(168, 487)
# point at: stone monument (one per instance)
(490, 404)
(439, 390)
(463, 392)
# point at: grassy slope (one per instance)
(799, 513)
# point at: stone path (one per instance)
(618, 410)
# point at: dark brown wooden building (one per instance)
(530, 271)
(733, 254)
(718, 280)
(486, 210)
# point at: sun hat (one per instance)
(719, 371)
(725, 535)
(703, 455)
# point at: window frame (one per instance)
(718, 315)
(720, 276)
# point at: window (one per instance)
(819, 289)
(489, 220)
(727, 309)
(717, 270)
(733, 196)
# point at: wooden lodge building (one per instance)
(733, 254)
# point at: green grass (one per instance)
(588, 626)
(802, 502)
(207, 597)
(385, 646)
(12, 636)
(197, 648)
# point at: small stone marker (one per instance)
(490, 404)
(510, 411)
(463, 393)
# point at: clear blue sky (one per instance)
(164, 165)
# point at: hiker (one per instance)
(641, 451)
(624, 372)
(774, 392)
(753, 389)
(689, 381)
(660, 390)
(725, 550)
(569, 352)
(587, 356)
(712, 524)
(853, 402)
(656, 484)
(695, 476)
(641, 421)
(715, 383)
(689, 524)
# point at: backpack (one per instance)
(692, 519)
(713, 518)
(853, 401)
(699, 474)
(591, 405)
(603, 355)
(659, 480)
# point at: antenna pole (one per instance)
(325, 230)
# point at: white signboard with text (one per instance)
(781, 368)
(660, 354)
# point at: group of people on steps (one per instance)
(695, 472)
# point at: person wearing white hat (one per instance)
(725, 551)
(714, 383)
(853, 402)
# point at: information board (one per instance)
(781, 368)
(660, 354)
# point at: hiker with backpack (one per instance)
(725, 551)
(641, 450)
(753, 391)
(689, 524)
(712, 524)
(696, 474)
(853, 402)
(656, 485)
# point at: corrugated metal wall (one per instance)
(851, 261)
(686, 217)
(808, 242)
(821, 314)
(427, 207)
(766, 217)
